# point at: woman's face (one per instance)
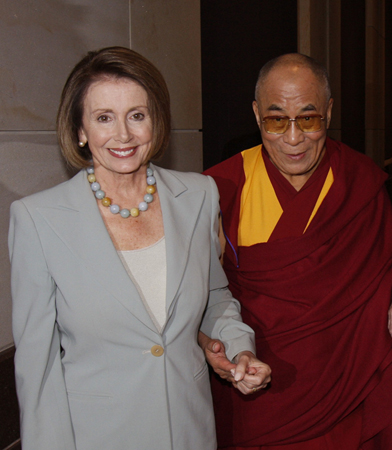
(117, 125)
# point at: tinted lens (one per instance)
(308, 124)
(275, 124)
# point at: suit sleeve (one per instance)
(44, 412)
(222, 319)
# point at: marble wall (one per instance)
(168, 33)
(40, 42)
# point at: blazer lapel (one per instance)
(77, 222)
(180, 209)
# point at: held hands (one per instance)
(247, 374)
(251, 374)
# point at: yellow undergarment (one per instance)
(260, 208)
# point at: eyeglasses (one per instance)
(280, 124)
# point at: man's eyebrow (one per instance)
(274, 107)
(309, 107)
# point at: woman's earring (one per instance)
(81, 144)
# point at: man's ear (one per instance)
(329, 111)
(256, 111)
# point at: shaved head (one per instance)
(292, 60)
(290, 87)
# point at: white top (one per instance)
(147, 268)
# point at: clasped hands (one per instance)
(246, 373)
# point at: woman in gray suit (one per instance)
(113, 274)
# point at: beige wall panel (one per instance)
(40, 41)
(30, 162)
(184, 152)
(168, 33)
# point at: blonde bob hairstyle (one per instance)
(115, 63)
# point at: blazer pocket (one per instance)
(201, 372)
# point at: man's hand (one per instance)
(248, 374)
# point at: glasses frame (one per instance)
(293, 120)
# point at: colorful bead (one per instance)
(143, 206)
(148, 198)
(115, 209)
(106, 201)
(151, 190)
(124, 213)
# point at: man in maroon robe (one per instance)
(308, 230)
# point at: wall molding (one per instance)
(14, 446)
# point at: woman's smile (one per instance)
(122, 153)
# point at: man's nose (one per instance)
(293, 134)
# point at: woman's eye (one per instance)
(138, 116)
(103, 118)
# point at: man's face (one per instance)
(293, 91)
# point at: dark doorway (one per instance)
(388, 83)
(237, 38)
(353, 73)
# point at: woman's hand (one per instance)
(215, 354)
(248, 374)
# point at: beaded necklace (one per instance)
(115, 209)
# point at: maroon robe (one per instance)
(318, 304)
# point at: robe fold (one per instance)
(318, 302)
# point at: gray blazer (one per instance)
(92, 370)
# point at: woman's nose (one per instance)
(123, 132)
